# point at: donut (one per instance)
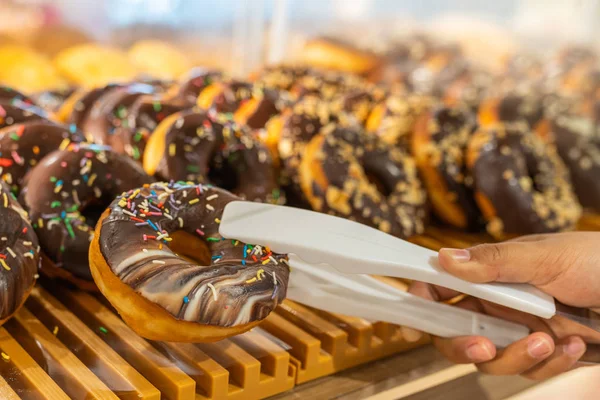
(521, 184)
(469, 88)
(15, 112)
(296, 127)
(91, 65)
(197, 80)
(579, 149)
(76, 107)
(326, 84)
(335, 173)
(142, 119)
(439, 144)
(106, 119)
(393, 119)
(334, 54)
(159, 59)
(9, 94)
(19, 254)
(23, 145)
(63, 194)
(513, 107)
(281, 77)
(190, 146)
(358, 102)
(216, 289)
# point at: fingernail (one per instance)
(574, 347)
(458, 255)
(539, 348)
(411, 335)
(478, 353)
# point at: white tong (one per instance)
(330, 257)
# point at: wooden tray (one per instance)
(68, 344)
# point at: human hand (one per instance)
(564, 265)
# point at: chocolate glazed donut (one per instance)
(8, 94)
(580, 151)
(132, 260)
(16, 111)
(60, 194)
(439, 144)
(23, 145)
(52, 100)
(198, 80)
(19, 255)
(335, 172)
(521, 184)
(107, 119)
(143, 118)
(189, 146)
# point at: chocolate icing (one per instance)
(84, 104)
(580, 151)
(8, 94)
(241, 284)
(16, 111)
(23, 145)
(198, 149)
(143, 117)
(65, 184)
(524, 180)
(107, 119)
(19, 254)
(197, 81)
(347, 157)
(449, 131)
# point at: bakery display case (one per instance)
(445, 124)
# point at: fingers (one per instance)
(466, 349)
(564, 358)
(513, 261)
(520, 356)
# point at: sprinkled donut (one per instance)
(439, 144)
(190, 146)
(15, 112)
(8, 94)
(226, 289)
(52, 100)
(197, 80)
(61, 193)
(19, 255)
(107, 119)
(143, 118)
(521, 185)
(334, 175)
(23, 145)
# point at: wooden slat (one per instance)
(66, 369)
(360, 331)
(34, 379)
(212, 379)
(173, 383)
(273, 359)
(6, 392)
(111, 368)
(305, 347)
(332, 338)
(243, 368)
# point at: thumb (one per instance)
(531, 262)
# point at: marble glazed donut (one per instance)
(61, 194)
(190, 146)
(227, 288)
(439, 145)
(521, 184)
(19, 255)
(334, 175)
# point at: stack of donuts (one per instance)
(120, 187)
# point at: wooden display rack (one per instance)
(68, 344)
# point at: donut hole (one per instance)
(92, 211)
(190, 247)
